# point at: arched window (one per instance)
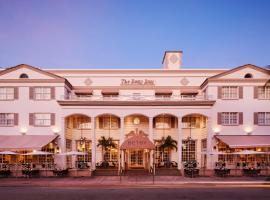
(248, 75)
(24, 76)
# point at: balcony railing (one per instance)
(136, 98)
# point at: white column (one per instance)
(151, 138)
(122, 138)
(179, 143)
(93, 140)
(60, 161)
(73, 148)
(210, 158)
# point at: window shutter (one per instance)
(240, 115)
(16, 119)
(219, 92)
(31, 93)
(255, 118)
(31, 119)
(154, 122)
(219, 118)
(100, 122)
(52, 92)
(119, 122)
(240, 92)
(16, 93)
(255, 92)
(52, 119)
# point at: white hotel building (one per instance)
(205, 110)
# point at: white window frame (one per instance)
(230, 118)
(163, 122)
(42, 93)
(7, 93)
(42, 119)
(264, 92)
(264, 118)
(230, 92)
(110, 122)
(7, 119)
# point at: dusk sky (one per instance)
(134, 33)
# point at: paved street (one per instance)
(219, 193)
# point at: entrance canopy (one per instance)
(25, 142)
(245, 141)
(137, 141)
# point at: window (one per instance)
(161, 155)
(191, 122)
(81, 122)
(42, 119)
(6, 93)
(188, 150)
(264, 92)
(204, 144)
(229, 92)
(248, 75)
(24, 76)
(109, 122)
(112, 153)
(42, 93)
(163, 122)
(264, 118)
(85, 147)
(229, 118)
(7, 119)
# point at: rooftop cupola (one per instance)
(172, 60)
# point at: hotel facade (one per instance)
(204, 111)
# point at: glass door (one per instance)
(136, 158)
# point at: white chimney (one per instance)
(172, 60)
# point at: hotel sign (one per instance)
(134, 82)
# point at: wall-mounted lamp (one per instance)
(23, 130)
(56, 130)
(248, 130)
(216, 130)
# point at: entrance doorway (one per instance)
(136, 159)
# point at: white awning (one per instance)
(24, 142)
(245, 141)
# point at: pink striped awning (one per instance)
(163, 92)
(245, 141)
(24, 142)
(110, 91)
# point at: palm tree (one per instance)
(168, 143)
(106, 144)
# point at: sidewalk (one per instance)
(134, 181)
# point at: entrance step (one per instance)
(136, 172)
(167, 172)
(105, 172)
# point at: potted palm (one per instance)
(106, 144)
(169, 144)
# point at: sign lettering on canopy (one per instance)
(126, 82)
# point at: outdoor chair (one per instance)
(5, 173)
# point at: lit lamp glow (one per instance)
(55, 130)
(248, 130)
(216, 130)
(23, 130)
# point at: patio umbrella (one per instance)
(7, 153)
(37, 153)
(249, 152)
(72, 153)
